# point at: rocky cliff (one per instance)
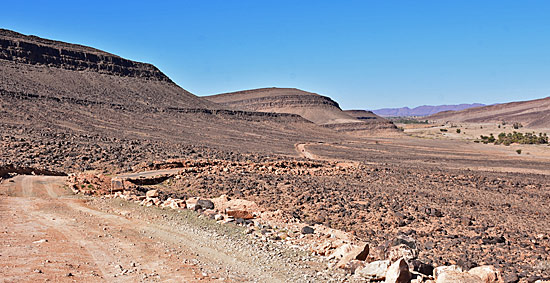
(19, 48)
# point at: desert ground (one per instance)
(111, 172)
(463, 203)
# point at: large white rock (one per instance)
(375, 270)
(487, 273)
(398, 272)
(441, 269)
(152, 193)
(457, 277)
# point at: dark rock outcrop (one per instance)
(34, 50)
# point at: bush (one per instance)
(515, 137)
(458, 131)
(443, 130)
(518, 151)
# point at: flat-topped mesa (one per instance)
(268, 98)
(38, 51)
(313, 107)
(316, 108)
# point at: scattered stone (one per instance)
(307, 230)
(40, 241)
(205, 204)
(493, 240)
(152, 193)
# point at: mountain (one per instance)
(424, 110)
(532, 113)
(316, 108)
(76, 107)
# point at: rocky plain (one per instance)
(328, 205)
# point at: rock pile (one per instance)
(395, 261)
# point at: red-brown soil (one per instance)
(70, 112)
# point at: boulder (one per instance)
(191, 203)
(398, 272)
(487, 273)
(457, 277)
(116, 185)
(223, 202)
(307, 230)
(422, 268)
(375, 270)
(236, 213)
(205, 204)
(174, 205)
(152, 194)
(353, 252)
(341, 251)
(441, 269)
(353, 265)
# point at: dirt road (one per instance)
(49, 234)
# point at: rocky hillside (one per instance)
(71, 106)
(316, 108)
(532, 113)
(423, 110)
(32, 66)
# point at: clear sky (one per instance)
(363, 54)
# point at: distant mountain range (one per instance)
(424, 110)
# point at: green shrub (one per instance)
(518, 151)
(515, 137)
(458, 131)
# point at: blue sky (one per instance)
(363, 54)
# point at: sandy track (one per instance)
(47, 234)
